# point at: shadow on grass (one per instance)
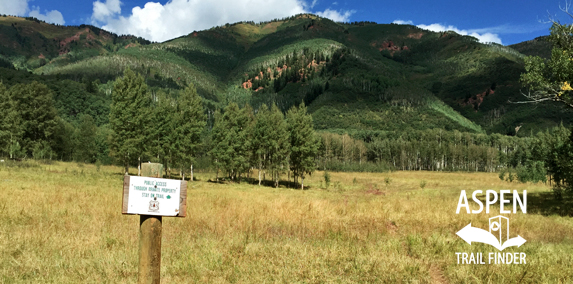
(224, 180)
(266, 183)
(545, 203)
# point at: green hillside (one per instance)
(539, 46)
(30, 44)
(361, 76)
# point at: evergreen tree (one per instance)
(220, 149)
(563, 170)
(261, 139)
(102, 144)
(163, 131)
(31, 120)
(10, 127)
(64, 143)
(86, 139)
(231, 140)
(304, 143)
(279, 142)
(246, 125)
(129, 117)
(190, 122)
(271, 142)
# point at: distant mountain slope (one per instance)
(535, 47)
(361, 77)
(30, 43)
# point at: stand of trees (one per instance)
(28, 121)
(534, 159)
(242, 141)
(170, 128)
(147, 128)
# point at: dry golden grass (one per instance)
(61, 223)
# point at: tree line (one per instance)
(172, 131)
(170, 128)
(545, 155)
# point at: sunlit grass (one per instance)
(62, 223)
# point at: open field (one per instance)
(62, 223)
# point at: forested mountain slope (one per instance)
(360, 77)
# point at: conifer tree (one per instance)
(303, 141)
(190, 122)
(219, 142)
(162, 132)
(9, 122)
(246, 125)
(279, 142)
(261, 139)
(231, 140)
(63, 144)
(85, 140)
(129, 117)
(31, 119)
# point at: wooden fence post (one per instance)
(150, 229)
(150, 249)
(157, 196)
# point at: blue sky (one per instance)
(505, 22)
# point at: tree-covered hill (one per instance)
(538, 46)
(360, 76)
(28, 43)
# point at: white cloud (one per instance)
(483, 35)
(400, 22)
(512, 29)
(54, 16)
(102, 11)
(342, 16)
(313, 3)
(20, 8)
(175, 18)
(14, 7)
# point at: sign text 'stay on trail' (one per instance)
(154, 196)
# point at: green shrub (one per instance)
(98, 165)
(502, 174)
(326, 179)
(510, 176)
(532, 171)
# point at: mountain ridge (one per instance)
(360, 76)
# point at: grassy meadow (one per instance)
(62, 223)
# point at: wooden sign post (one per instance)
(152, 198)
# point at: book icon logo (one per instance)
(498, 235)
(499, 227)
